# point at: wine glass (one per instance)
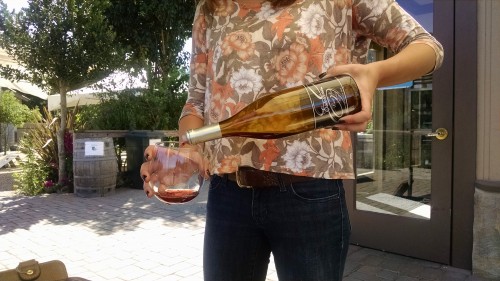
(171, 173)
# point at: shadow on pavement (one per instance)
(124, 210)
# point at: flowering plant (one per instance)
(51, 187)
(40, 173)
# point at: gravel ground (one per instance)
(7, 179)
(7, 173)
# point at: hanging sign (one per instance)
(94, 148)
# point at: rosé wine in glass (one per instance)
(171, 173)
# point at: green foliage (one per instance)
(396, 155)
(3, 11)
(64, 44)
(67, 44)
(153, 32)
(147, 109)
(12, 111)
(30, 180)
(40, 146)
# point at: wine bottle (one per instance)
(294, 110)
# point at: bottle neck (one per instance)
(204, 134)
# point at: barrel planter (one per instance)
(95, 167)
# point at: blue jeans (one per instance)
(305, 225)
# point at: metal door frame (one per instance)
(455, 26)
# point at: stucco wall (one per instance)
(486, 246)
(488, 135)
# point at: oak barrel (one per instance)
(95, 167)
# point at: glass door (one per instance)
(394, 160)
(401, 200)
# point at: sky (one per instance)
(15, 4)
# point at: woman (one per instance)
(285, 196)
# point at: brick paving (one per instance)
(125, 236)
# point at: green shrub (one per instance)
(34, 172)
(40, 170)
(11, 111)
(157, 108)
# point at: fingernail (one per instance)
(321, 75)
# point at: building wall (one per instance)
(486, 245)
(488, 121)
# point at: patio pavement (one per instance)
(126, 236)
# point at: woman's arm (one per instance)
(192, 112)
(412, 62)
(187, 123)
(416, 53)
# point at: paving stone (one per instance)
(349, 278)
(351, 266)
(392, 263)
(126, 236)
(369, 269)
(432, 273)
(387, 274)
(406, 278)
(362, 276)
(411, 269)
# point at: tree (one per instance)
(12, 111)
(63, 45)
(154, 33)
(139, 109)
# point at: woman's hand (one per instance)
(149, 173)
(366, 79)
(166, 167)
(412, 62)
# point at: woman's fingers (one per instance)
(145, 173)
(355, 122)
(366, 81)
(166, 167)
(149, 169)
(353, 127)
(150, 153)
(148, 190)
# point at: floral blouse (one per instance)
(241, 53)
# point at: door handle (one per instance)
(440, 134)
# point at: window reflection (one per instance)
(393, 157)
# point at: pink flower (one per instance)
(48, 183)
(68, 143)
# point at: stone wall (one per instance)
(486, 247)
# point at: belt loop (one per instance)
(282, 183)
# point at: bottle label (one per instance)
(328, 101)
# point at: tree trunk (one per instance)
(60, 138)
